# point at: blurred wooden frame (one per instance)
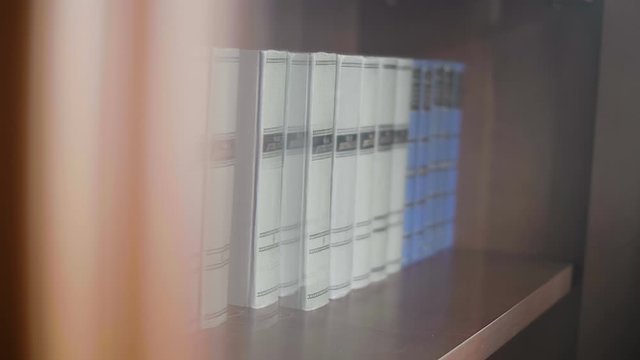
(117, 107)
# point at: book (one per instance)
(293, 172)
(398, 179)
(343, 188)
(421, 214)
(314, 291)
(254, 272)
(411, 211)
(437, 167)
(382, 166)
(361, 269)
(453, 135)
(218, 186)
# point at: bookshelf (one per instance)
(455, 305)
(545, 248)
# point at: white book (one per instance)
(293, 172)
(364, 178)
(402, 110)
(319, 161)
(347, 115)
(382, 166)
(218, 186)
(254, 271)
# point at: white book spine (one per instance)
(293, 173)
(256, 225)
(347, 113)
(218, 186)
(319, 162)
(365, 172)
(402, 111)
(382, 166)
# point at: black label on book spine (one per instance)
(428, 90)
(367, 140)
(400, 136)
(385, 139)
(346, 142)
(415, 90)
(271, 143)
(295, 140)
(322, 144)
(223, 150)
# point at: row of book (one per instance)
(324, 173)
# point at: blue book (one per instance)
(412, 164)
(422, 159)
(448, 165)
(433, 182)
(454, 135)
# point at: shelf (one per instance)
(456, 305)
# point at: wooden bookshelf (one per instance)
(456, 305)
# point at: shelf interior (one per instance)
(457, 304)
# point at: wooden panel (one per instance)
(544, 77)
(458, 304)
(14, 25)
(610, 320)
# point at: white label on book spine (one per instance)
(317, 226)
(382, 166)
(293, 173)
(402, 110)
(218, 188)
(344, 174)
(364, 179)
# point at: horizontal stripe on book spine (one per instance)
(268, 247)
(363, 236)
(319, 249)
(317, 293)
(269, 232)
(340, 286)
(217, 250)
(394, 262)
(217, 265)
(364, 223)
(361, 277)
(380, 229)
(268, 291)
(275, 60)
(342, 229)
(227, 60)
(341, 243)
(290, 227)
(215, 314)
(319, 235)
(293, 240)
(289, 283)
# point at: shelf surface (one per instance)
(456, 305)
